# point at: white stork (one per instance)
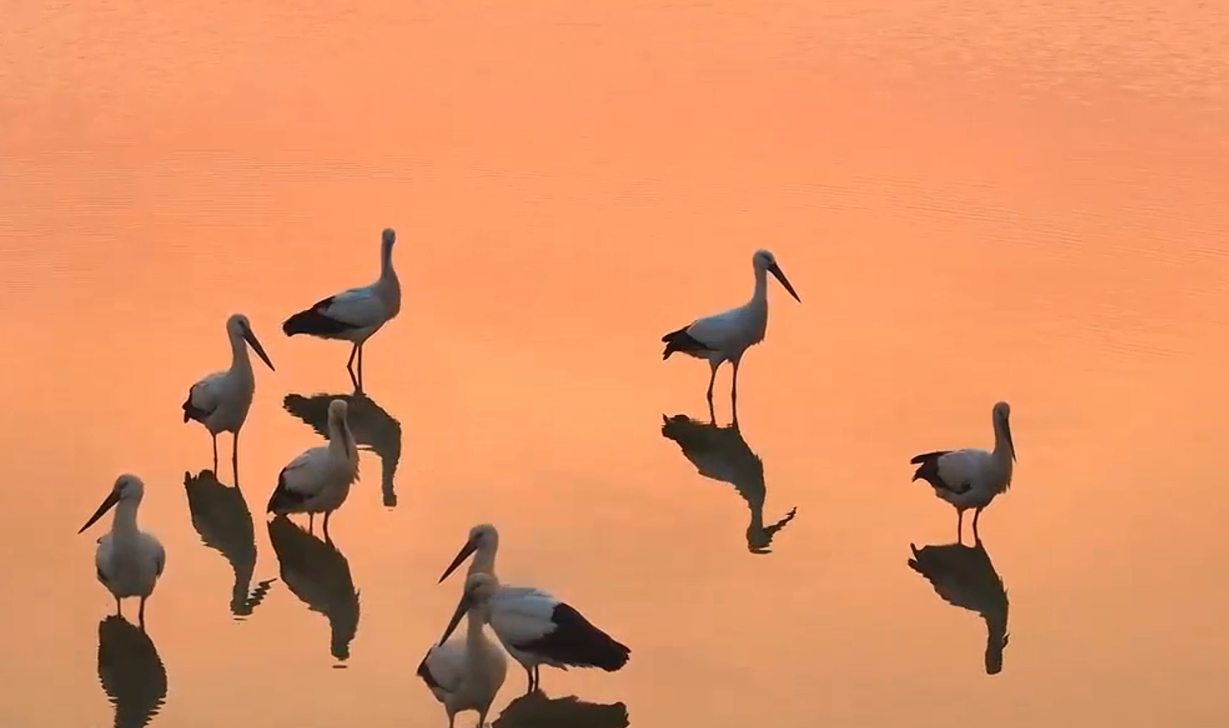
(221, 400)
(535, 627)
(971, 478)
(727, 336)
(319, 480)
(467, 673)
(356, 314)
(128, 560)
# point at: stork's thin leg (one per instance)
(234, 459)
(360, 367)
(141, 613)
(327, 538)
(529, 686)
(960, 526)
(537, 677)
(734, 389)
(215, 453)
(119, 609)
(311, 522)
(976, 515)
(712, 379)
(350, 361)
(452, 717)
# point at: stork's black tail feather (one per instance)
(577, 642)
(300, 323)
(681, 341)
(928, 470)
(425, 673)
(283, 499)
(928, 466)
(612, 656)
(311, 321)
(191, 412)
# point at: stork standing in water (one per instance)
(971, 478)
(374, 430)
(221, 400)
(319, 480)
(727, 336)
(129, 560)
(467, 673)
(356, 314)
(535, 627)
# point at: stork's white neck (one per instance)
(388, 287)
(240, 361)
(483, 561)
(125, 522)
(475, 640)
(474, 623)
(1003, 453)
(760, 296)
(341, 440)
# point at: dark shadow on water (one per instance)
(221, 517)
(131, 673)
(538, 711)
(721, 453)
(318, 574)
(963, 576)
(374, 430)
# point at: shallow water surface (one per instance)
(976, 201)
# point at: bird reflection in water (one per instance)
(221, 517)
(131, 673)
(721, 453)
(374, 429)
(538, 711)
(316, 572)
(964, 577)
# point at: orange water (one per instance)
(975, 200)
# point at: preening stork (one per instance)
(319, 480)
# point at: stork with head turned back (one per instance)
(727, 336)
(356, 314)
(971, 477)
(319, 480)
(535, 627)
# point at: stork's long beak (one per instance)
(776, 272)
(250, 336)
(108, 504)
(1010, 444)
(469, 548)
(462, 608)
